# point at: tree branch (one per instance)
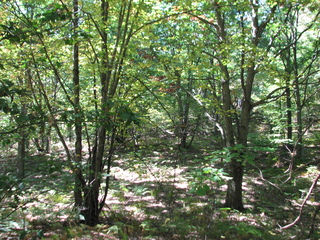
(270, 97)
(303, 204)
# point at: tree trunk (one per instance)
(248, 70)
(22, 141)
(21, 156)
(91, 204)
(286, 59)
(227, 106)
(234, 191)
(111, 66)
(289, 113)
(299, 108)
(183, 111)
(79, 182)
(92, 209)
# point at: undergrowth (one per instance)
(161, 193)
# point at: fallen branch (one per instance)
(262, 178)
(303, 204)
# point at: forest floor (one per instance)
(163, 192)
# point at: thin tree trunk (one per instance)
(289, 113)
(286, 59)
(21, 155)
(227, 106)
(23, 139)
(183, 110)
(299, 108)
(53, 120)
(79, 182)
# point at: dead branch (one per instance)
(303, 204)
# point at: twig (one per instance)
(262, 178)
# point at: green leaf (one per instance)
(202, 190)
(207, 170)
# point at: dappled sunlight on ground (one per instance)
(152, 198)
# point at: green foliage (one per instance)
(158, 69)
(202, 179)
(126, 115)
(224, 230)
(9, 188)
(13, 32)
(8, 91)
(53, 13)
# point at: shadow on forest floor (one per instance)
(150, 197)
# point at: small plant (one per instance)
(203, 178)
(312, 170)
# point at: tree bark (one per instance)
(289, 113)
(23, 139)
(183, 110)
(234, 191)
(299, 109)
(77, 111)
(21, 155)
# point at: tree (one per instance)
(113, 29)
(299, 53)
(77, 108)
(239, 49)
